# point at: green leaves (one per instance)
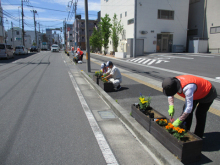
(116, 29)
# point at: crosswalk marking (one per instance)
(147, 61)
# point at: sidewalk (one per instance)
(133, 84)
(125, 146)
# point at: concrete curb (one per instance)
(145, 137)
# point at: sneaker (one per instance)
(118, 87)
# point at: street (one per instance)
(44, 118)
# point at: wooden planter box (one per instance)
(95, 79)
(187, 152)
(145, 120)
(107, 87)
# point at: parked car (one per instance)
(55, 48)
(20, 50)
(34, 49)
(6, 51)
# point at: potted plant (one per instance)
(144, 113)
(105, 84)
(185, 145)
(97, 76)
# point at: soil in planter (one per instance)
(151, 111)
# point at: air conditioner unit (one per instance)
(143, 32)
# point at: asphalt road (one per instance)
(42, 121)
(131, 90)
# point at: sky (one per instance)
(50, 13)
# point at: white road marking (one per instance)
(159, 61)
(141, 61)
(200, 56)
(15, 62)
(146, 61)
(106, 150)
(178, 57)
(132, 59)
(218, 78)
(64, 61)
(137, 60)
(151, 62)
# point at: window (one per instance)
(214, 30)
(120, 15)
(166, 14)
(193, 1)
(70, 34)
(130, 21)
(126, 14)
(17, 32)
(82, 30)
(124, 35)
(192, 32)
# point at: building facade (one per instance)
(80, 31)
(2, 31)
(15, 38)
(204, 23)
(70, 41)
(161, 24)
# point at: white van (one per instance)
(6, 51)
(55, 48)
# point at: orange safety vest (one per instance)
(203, 86)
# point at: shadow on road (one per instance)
(211, 142)
(16, 57)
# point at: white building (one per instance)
(204, 22)
(69, 34)
(2, 31)
(16, 40)
(161, 24)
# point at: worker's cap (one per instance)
(103, 65)
(170, 85)
(109, 63)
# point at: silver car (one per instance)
(6, 51)
(20, 50)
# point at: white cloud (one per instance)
(13, 7)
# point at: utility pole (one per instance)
(135, 28)
(39, 36)
(22, 17)
(12, 34)
(75, 41)
(87, 37)
(34, 12)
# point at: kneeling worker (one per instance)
(197, 92)
(114, 75)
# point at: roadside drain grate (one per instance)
(106, 114)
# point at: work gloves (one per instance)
(177, 122)
(171, 110)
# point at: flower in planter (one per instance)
(144, 102)
(161, 122)
(98, 73)
(176, 131)
(104, 80)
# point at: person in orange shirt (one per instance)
(72, 49)
(80, 53)
(199, 94)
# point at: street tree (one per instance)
(95, 39)
(116, 30)
(106, 31)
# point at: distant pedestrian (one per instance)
(72, 49)
(199, 94)
(114, 75)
